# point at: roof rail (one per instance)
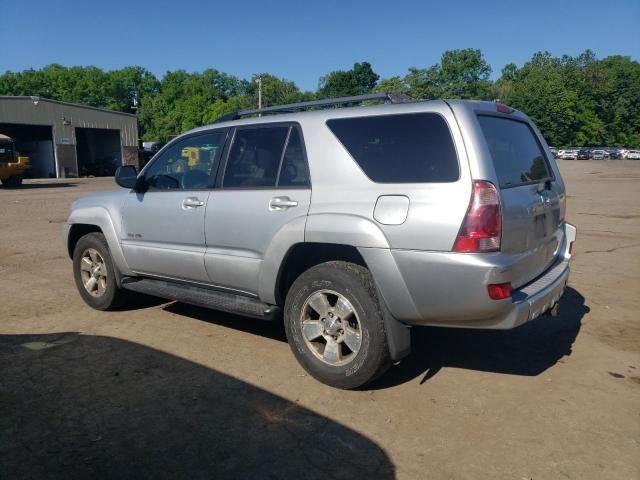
(390, 97)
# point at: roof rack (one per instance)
(292, 107)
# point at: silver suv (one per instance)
(352, 224)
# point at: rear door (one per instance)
(264, 191)
(532, 194)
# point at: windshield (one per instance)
(6, 150)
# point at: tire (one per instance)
(362, 352)
(104, 293)
(14, 181)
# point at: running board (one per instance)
(202, 297)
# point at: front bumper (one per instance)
(7, 169)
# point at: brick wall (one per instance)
(131, 157)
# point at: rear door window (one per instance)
(407, 148)
(254, 158)
(293, 172)
(517, 155)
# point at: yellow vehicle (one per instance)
(12, 165)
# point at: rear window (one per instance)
(517, 156)
(409, 148)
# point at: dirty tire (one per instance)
(354, 283)
(112, 296)
(14, 181)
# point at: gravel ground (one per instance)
(165, 390)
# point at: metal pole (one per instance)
(259, 82)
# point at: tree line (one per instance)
(582, 100)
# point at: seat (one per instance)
(266, 162)
(194, 179)
(288, 174)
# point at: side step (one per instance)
(202, 297)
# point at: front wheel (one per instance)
(94, 273)
(334, 325)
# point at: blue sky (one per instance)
(302, 40)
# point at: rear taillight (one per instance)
(482, 226)
(499, 291)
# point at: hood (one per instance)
(108, 200)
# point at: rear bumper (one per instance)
(449, 289)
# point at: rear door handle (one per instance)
(280, 203)
(192, 202)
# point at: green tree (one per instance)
(393, 84)
(578, 100)
(460, 74)
(464, 74)
(423, 82)
(539, 91)
(276, 91)
(360, 80)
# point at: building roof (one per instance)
(77, 105)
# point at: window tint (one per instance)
(293, 172)
(255, 156)
(400, 148)
(517, 155)
(187, 164)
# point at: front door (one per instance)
(262, 201)
(163, 227)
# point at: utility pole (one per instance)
(259, 82)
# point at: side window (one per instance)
(293, 172)
(255, 157)
(404, 148)
(187, 164)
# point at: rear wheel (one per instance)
(14, 181)
(334, 325)
(94, 273)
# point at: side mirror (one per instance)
(127, 177)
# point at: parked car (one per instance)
(615, 153)
(599, 154)
(633, 155)
(448, 213)
(568, 154)
(584, 154)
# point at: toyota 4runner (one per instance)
(351, 224)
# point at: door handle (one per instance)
(192, 202)
(281, 203)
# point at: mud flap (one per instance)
(398, 334)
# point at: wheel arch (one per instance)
(304, 255)
(76, 232)
(96, 219)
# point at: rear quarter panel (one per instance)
(342, 189)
